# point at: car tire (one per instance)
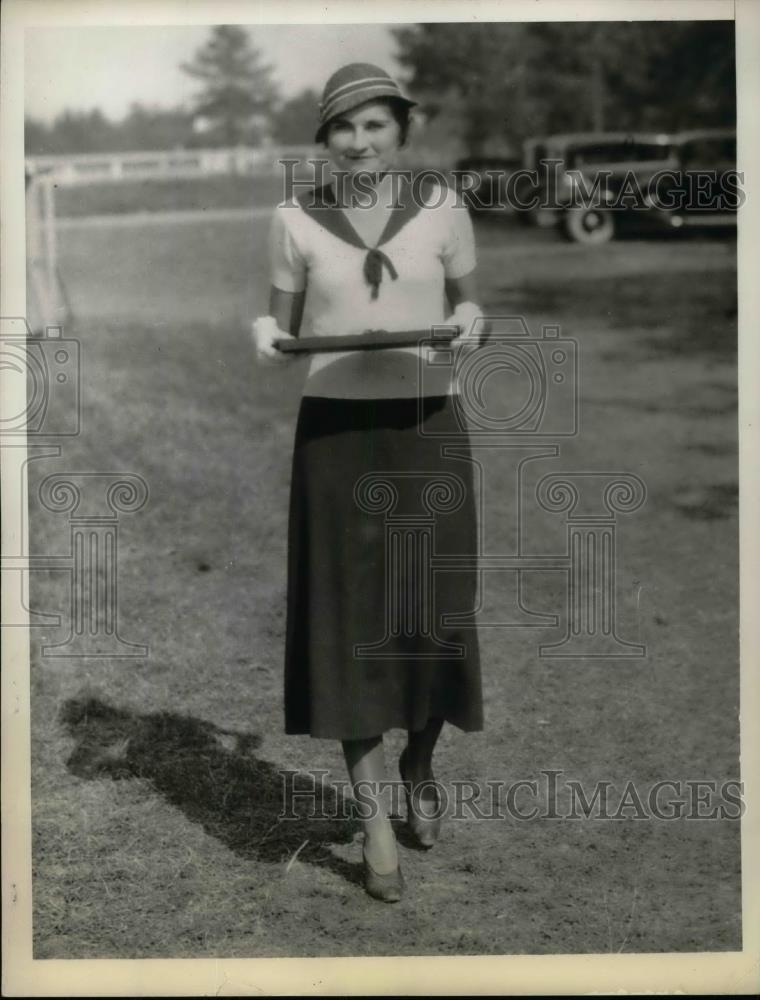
(588, 225)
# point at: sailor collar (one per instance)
(321, 204)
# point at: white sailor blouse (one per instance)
(396, 285)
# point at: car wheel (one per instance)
(589, 225)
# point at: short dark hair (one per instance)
(400, 111)
(402, 114)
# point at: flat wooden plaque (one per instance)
(370, 340)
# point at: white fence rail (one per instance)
(88, 168)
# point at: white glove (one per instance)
(469, 318)
(265, 332)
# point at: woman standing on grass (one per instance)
(369, 447)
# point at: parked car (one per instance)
(593, 186)
(705, 191)
(636, 181)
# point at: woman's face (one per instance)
(364, 139)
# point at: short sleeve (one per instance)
(458, 253)
(286, 262)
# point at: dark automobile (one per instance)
(704, 189)
(594, 186)
(597, 186)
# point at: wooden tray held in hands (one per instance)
(370, 340)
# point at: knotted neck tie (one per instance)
(374, 263)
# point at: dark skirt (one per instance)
(382, 552)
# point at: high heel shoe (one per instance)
(425, 828)
(387, 888)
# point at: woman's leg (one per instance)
(365, 761)
(416, 765)
(418, 759)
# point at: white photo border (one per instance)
(729, 972)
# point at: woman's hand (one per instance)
(265, 332)
(468, 317)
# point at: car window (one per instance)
(709, 154)
(619, 152)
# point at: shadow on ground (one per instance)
(215, 778)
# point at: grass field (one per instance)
(155, 784)
(173, 194)
(166, 195)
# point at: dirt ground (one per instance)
(156, 792)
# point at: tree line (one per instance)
(521, 80)
(489, 84)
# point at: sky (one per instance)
(109, 68)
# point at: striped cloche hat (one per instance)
(351, 86)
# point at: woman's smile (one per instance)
(367, 136)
